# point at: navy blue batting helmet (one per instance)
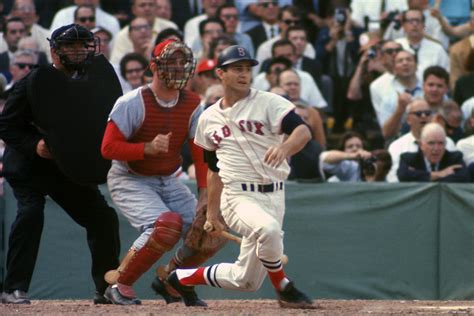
(234, 54)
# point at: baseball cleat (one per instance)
(160, 289)
(113, 294)
(188, 294)
(291, 297)
(100, 299)
(15, 297)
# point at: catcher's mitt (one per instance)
(198, 239)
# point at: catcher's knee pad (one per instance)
(165, 235)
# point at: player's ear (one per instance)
(219, 73)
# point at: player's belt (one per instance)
(262, 188)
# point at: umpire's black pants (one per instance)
(83, 203)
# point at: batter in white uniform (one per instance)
(246, 153)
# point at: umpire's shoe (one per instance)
(15, 297)
(188, 294)
(113, 294)
(291, 297)
(160, 288)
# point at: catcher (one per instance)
(146, 130)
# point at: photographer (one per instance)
(351, 163)
(370, 67)
(338, 49)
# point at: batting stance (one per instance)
(246, 155)
(146, 130)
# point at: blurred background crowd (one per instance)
(387, 86)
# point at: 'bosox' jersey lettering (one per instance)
(245, 126)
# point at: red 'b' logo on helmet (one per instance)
(241, 51)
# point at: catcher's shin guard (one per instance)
(165, 235)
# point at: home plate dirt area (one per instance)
(243, 307)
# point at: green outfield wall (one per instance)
(344, 241)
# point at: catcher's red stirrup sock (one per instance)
(191, 276)
(278, 279)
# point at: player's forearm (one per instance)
(297, 140)
(115, 146)
(214, 190)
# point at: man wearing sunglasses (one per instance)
(289, 16)
(85, 15)
(20, 65)
(267, 11)
(418, 114)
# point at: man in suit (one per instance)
(268, 28)
(433, 163)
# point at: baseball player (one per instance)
(146, 130)
(246, 154)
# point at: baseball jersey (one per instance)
(129, 116)
(241, 135)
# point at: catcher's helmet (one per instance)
(69, 35)
(234, 54)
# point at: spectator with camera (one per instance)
(352, 163)
(376, 14)
(370, 67)
(418, 114)
(433, 163)
(433, 30)
(338, 49)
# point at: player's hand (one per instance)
(274, 156)
(159, 144)
(42, 150)
(213, 226)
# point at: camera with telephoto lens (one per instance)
(372, 52)
(391, 17)
(340, 16)
(367, 166)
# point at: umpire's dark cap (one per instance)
(233, 54)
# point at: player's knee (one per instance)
(270, 231)
(167, 230)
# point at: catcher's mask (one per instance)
(175, 63)
(75, 45)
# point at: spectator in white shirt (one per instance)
(398, 94)
(103, 19)
(310, 92)
(374, 11)
(191, 28)
(427, 52)
(143, 9)
(388, 50)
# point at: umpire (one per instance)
(41, 158)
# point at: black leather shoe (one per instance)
(113, 295)
(15, 297)
(291, 297)
(160, 288)
(100, 299)
(188, 294)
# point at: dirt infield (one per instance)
(244, 307)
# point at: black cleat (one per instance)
(160, 289)
(291, 297)
(100, 299)
(15, 297)
(188, 294)
(112, 294)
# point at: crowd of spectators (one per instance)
(374, 75)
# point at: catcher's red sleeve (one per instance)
(115, 146)
(197, 154)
